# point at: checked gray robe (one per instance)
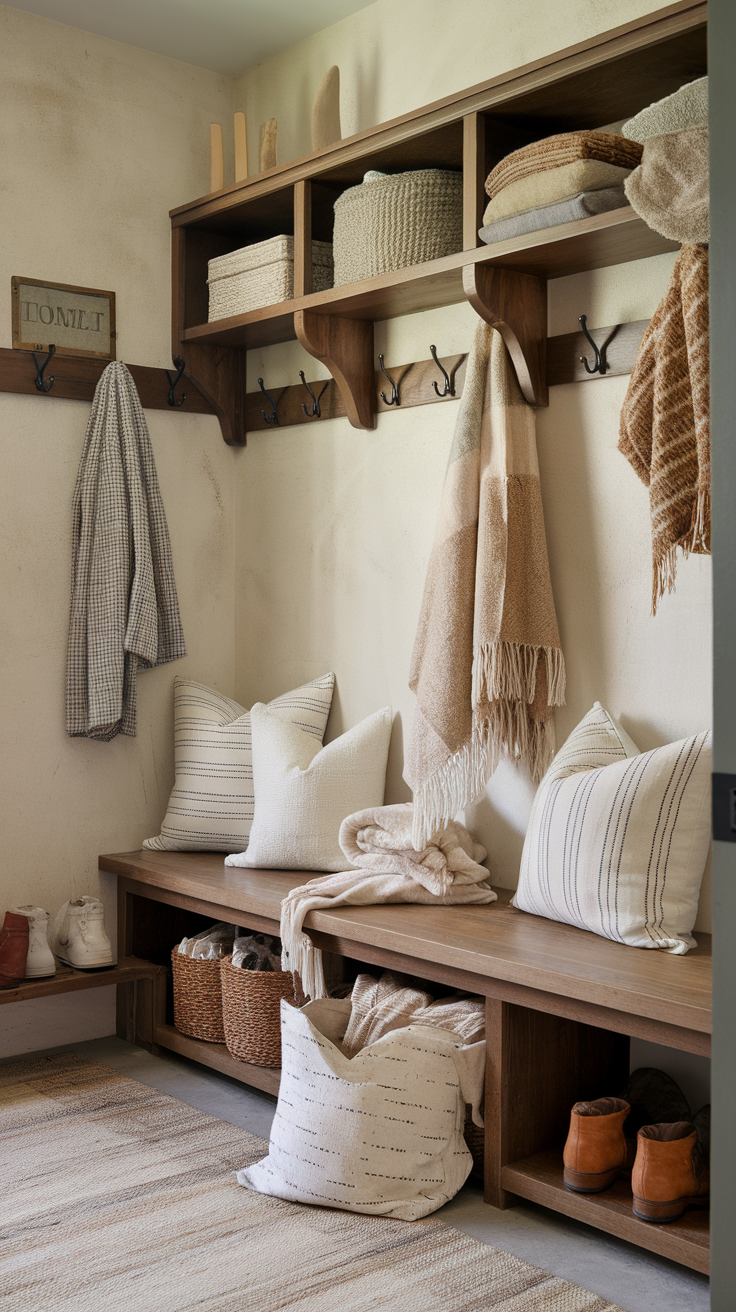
(124, 607)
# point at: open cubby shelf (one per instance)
(597, 83)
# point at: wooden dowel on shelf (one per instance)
(241, 147)
(217, 167)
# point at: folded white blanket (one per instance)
(378, 843)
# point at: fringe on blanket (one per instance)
(696, 539)
(299, 954)
(504, 687)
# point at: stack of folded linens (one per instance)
(670, 188)
(562, 178)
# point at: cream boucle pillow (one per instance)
(618, 839)
(303, 794)
(381, 1132)
(211, 804)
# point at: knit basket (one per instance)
(197, 997)
(262, 274)
(392, 221)
(251, 1011)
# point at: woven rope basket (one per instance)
(251, 1010)
(262, 274)
(390, 222)
(197, 998)
(475, 1138)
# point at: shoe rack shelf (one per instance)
(593, 84)
(129, 970)
(539, 1179)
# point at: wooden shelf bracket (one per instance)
(219, 374)
(516, 304)
(345, 346)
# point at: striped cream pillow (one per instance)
(212, 801)
(618, 839)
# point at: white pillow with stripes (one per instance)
(212, 802)
(618, 838)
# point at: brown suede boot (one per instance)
(670, 1172)
(13, 950)
(595, 1152)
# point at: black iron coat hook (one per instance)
(395, 387)
(600, 365)
(180, 367)
(449, 388)
(315, 411)
(269, 419)
(41, 384)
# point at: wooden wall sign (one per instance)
(76, 320)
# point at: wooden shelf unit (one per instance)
(592, 84)
(68, 980)
(561, 1005)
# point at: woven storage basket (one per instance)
(262, 274)
(475, 1138)
(197, 998)
(390, 222)
(251, 1011)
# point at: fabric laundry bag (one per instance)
(381, 1132)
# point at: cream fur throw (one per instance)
(686, 108)
(379, 843)
(487, 667)
(670, 188)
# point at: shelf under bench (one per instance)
(561, 1005)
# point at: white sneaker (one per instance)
(79, 937)
(40, 960)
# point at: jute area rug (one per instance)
(117, 1198)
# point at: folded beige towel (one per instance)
(563, 148)
(686, 108)
(378, 842)
(552, 185)
(670, 187)
(392, 1002)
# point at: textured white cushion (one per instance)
(380, 1133)
(618, 839)
(303, 794)
(211, 805)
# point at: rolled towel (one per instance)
(550, 216)
(686, 108)
(670, 187)
(553, 185)
(564, 148)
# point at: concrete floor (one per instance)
(634, 1280)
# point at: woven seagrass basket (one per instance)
(475, 1138)
(391, 221)
(251, 1011)
(197, 998)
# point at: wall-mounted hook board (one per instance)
(563, 366)
(76, 377)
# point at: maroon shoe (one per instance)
(13, 950)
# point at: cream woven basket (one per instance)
(391, 221)
(262, 274)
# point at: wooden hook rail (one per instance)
(76, 377)
(564, 365)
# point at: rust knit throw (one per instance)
(665, 421)
(564, 148)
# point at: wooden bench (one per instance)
(561, 1005)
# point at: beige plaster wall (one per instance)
(100, 140)
(335, 525)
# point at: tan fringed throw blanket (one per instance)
(665, 420)
(487, 667)
(563, 148)
(386, 868)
